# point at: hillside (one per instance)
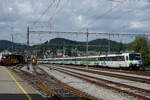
(58, 43)
(7, 45)
(94, 45)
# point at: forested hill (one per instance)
(96, 45)
(58, 43)
(7, 45)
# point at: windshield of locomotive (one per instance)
(134, 56)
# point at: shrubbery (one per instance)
(141, 45)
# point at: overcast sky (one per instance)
(123, 16)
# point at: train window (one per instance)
(72, 59)
(115, 58)
(121, 58)
(134, 56)
(86, 59)
(89, 59)
(126, 57)
(96, 59)
(100, 59)
(106, 58)
(79, 59)
(110, 58)
(92, 59)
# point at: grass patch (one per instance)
(147, 67)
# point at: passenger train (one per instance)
(124, 60)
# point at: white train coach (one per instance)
(124, 60)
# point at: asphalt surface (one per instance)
(12, 87)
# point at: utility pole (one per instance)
(28, 36)
(87, 42)
(28, 68)
(87, 47)
(109, 44)
(12, 38)
(64, 51)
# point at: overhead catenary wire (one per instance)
(56, 10)
(45, 11)
(56, 7)
(91, 33)
(105, 33)
(108, 11)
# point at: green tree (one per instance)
(120, 47)
(54, 51)
(141, 45)
(68, 51)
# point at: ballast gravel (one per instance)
(28, 70)
(119, 73)
(127, 82)
(93, 90)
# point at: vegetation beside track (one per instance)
(141, 44)
(147, 67)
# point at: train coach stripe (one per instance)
(19, 85)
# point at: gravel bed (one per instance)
(119, 73)
(30, 68)
(94, 90)
(128, 82)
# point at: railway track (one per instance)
(50, 86)
(136, 72)
(131, 78)
(136, 92)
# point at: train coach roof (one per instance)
(82, 57)
(109, 55)
(12, 55)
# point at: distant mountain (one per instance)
(59, 43)
(96, 45)
(7, 45)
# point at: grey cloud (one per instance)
(74, 15)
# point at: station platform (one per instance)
(12, 87)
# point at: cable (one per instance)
(55, 12)
(108, 11)
(50, 5)
(56, 5)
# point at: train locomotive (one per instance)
(124, 60)
(12, 59)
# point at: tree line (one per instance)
(141, 44)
